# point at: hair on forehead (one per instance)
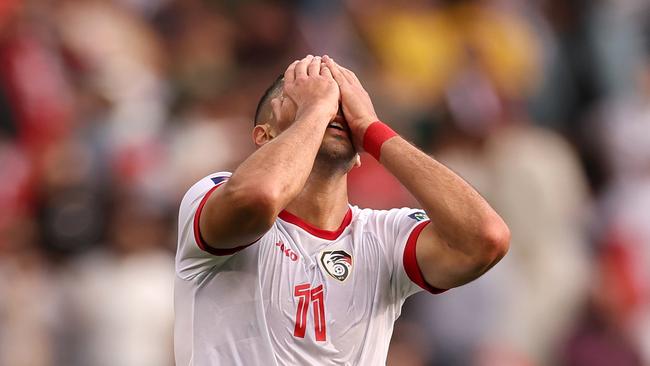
(267, 96)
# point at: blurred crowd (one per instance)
(111, 109)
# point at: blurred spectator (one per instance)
(204, 143)
(421, 47)
(120, 302)
(122, 57)
(201, 48)
(38, 113)
(624, 134)
(69, 201)
(15, 192)
(516, 313)
(31, 301)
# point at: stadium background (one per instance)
(109, 110)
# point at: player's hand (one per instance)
(309, 84)
(357, 106)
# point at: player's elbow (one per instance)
(258, 204)
(235, 215)
(495, 240)
(267, 204)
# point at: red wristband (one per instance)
(376, 134)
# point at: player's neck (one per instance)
(323, 202)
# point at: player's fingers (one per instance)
(344, 72)
(301, 66)
(351, 76)
(290, 72)
(325, 71)
(314, 66)
(335, 70)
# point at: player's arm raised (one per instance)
(248, 203)
(466, 236)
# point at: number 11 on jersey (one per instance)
(307, 295)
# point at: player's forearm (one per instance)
(463, 219)
(466, 237)
(248, 204)
(278, 170)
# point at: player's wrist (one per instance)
(374, 137)
(358, 128)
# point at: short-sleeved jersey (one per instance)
(299, 295)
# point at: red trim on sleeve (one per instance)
(411, 265)
(197, 230)
(323, 234)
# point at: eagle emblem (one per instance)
(337, 263)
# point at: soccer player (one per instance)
(275, 267)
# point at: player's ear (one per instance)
(356, 164)
(262, 134)
(357, 161)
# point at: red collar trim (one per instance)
(323, 234)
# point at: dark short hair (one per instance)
(277, 84)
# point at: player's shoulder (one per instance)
(375, 216)
(210, 180)
(204, 184)
(213, 179)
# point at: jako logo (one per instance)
(287, 251)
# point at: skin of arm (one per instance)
(466, 237)
(246, 206)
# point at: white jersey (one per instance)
(299, 295)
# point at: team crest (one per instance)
(418, 216)
(337, 263)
